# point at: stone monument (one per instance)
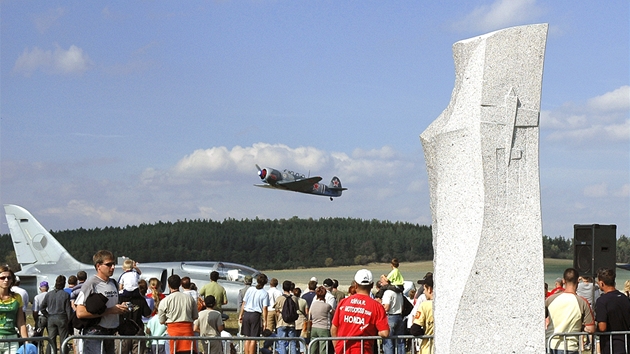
(482, 162)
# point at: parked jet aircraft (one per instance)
(292, 181)
(42, 257)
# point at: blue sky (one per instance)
(117, 113)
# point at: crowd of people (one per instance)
(130, 306)
(325, 311)
(281, 312)
(577, 304)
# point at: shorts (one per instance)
(9, 347)
(251, 324)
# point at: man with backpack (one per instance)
(98, 299)
(286, 314)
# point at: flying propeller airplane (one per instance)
(295, 182)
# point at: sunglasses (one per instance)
(3, 278)
(109, 264)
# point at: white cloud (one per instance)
(384, 168)
(139, 61)
(598, 132)
(601, 118)
(46, 20)
(500, 14)
(596, 190)
(243, 159)
(617, 100)
(417, 186)
(58, 61)
(88, 210)
(386, 152)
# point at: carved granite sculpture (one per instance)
(482, 161)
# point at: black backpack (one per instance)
(407, 306)
(289, 310)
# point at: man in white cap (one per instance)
(359, 315)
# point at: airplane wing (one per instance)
(265, 186)
(303, 185)
(623, 266)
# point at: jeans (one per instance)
(95, 346)
(286, 331)
(396, 328)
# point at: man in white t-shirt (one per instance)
(17, 289)
(107, 324)
(274, 293)
(393, 302)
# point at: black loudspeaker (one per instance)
(595, 246)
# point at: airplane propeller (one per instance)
(261, 173)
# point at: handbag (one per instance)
(306, 327)
(201, 304)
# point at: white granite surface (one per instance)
(482, 161)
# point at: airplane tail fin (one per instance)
(33, 244)
(335, 185)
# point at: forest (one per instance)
(262, 244)
(271, 244)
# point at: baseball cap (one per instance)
(428, 280)
(43, 284)
(314, 279)
(421, 281)
(328, 283)
(363, 277)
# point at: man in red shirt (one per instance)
(357, 316)
(558, 289)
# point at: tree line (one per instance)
(259, 243)
(271, 244)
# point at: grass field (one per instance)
(410, 271)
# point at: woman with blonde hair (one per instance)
(626, 288)
(155, 293)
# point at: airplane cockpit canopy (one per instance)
(227, 271)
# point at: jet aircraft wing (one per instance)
(305, 184)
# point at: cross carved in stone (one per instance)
(514, 116)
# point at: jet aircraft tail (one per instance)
(33, 244)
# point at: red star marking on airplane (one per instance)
(336, 183)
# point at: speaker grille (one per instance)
(583, 259)
(595, 246)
